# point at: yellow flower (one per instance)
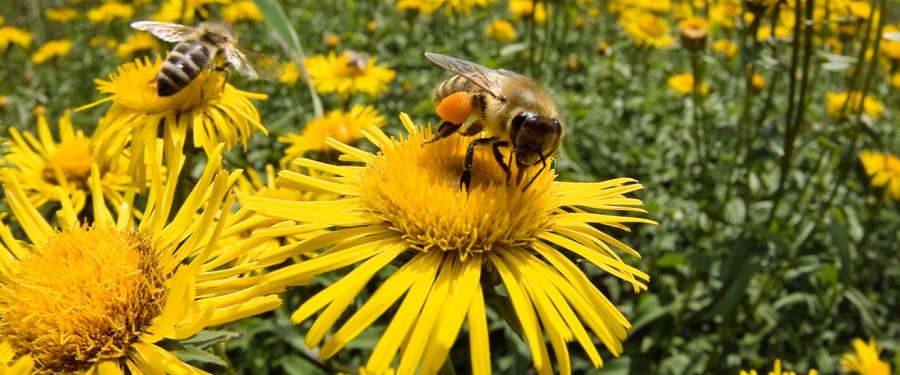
(464, 7)
(501, 30)
(891, 48)
(885, 172)
(684, 84)
(51, 49)
(404, 207)
(521, 9)
(110, 11)
(165, 278)
(183, 11)
(135, 44)
(332, 40)
(865, 361)
(290, 73)
(348, 74)
(46, 168)
(725, 47)
(208, 109)
(19, 37)
(840, 104)
(239, 11)
(725, 13)
(420, 7)
(778, 371)
(345, 127)
(646, 29)
(602, 47)
(757, 82)
(693, 33)
(372, 26)
(895, 80)
(655, 6)
(61, 14)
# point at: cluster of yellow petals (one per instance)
(348, 74)
(51, 49)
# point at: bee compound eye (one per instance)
(519, 119)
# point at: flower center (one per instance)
(415, 188)
(85, 295)
(73, 159)
(650, 24)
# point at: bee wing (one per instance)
(483, 77)
(169, 32)
(252, 64)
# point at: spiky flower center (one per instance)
(134, 87)
(73, 159)
(415, 188)
(83, 296)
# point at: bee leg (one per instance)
(466, 178)
(498, 156)
(543, 166)
(444, 130)
(473, 128)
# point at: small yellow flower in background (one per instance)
(602, 48)
(757, 82)
(345, 127)
(778, 371)
(895, 80)
(501, 30)
(51, 49)
(890, 48)
(46, 168)
(110, 11)
(3, 100)
(865, 361)
(655, 6)
(418, 7)
(684, 84)
(780, 32)
(725, 47)
(61, 14)
(19, 37)
(840, 104)
(165, 278)
(290, 73)
(332, 40)
(523, 9)
(213, 111)
(646, 29)
(240, 11)
(464, 7)
(725, 13)
(372, 26)
(137, 44)
(694, 31)
(884, 169)
(348, 74)
(402, 210)
(184, 11)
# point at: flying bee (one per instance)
(210, 45)
(511, 108)
(357, 60)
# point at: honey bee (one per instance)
(357, 60)
(210, 45)
(511, 108)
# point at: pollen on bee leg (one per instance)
(455, 108)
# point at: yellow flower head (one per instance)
(46, 168)
(684, 84)
(725, 13)
(345, 127)
(19, 37)
(501, 30)
(693, 32)
(404, 206)
(61, 14)
(418, 7)
(136, 44)
(891, 48)
(840, 104)
(523, 9)
(166, 277)
(725, 47)
(865, 361)
(240, 11)
(348, 74)
(332, 40)
(183, 11)
(51, 49)
(646, 29)
(884, 169)
(110, 11)
(778, 371)
(757, 82)
(464, 7)
(208, 109)
(290, 73)
(895, 80)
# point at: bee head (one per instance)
(534, 137)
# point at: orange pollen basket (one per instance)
(455, 108)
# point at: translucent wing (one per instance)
(252, 64)
(169, 32)
(485, 78)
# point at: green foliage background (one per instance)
(761, 252)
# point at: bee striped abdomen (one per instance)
(455, 84)
(183, 64)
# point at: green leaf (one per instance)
(297, 365)
(193, 354)
(735, 211)
(206, 338)
(841, 241)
